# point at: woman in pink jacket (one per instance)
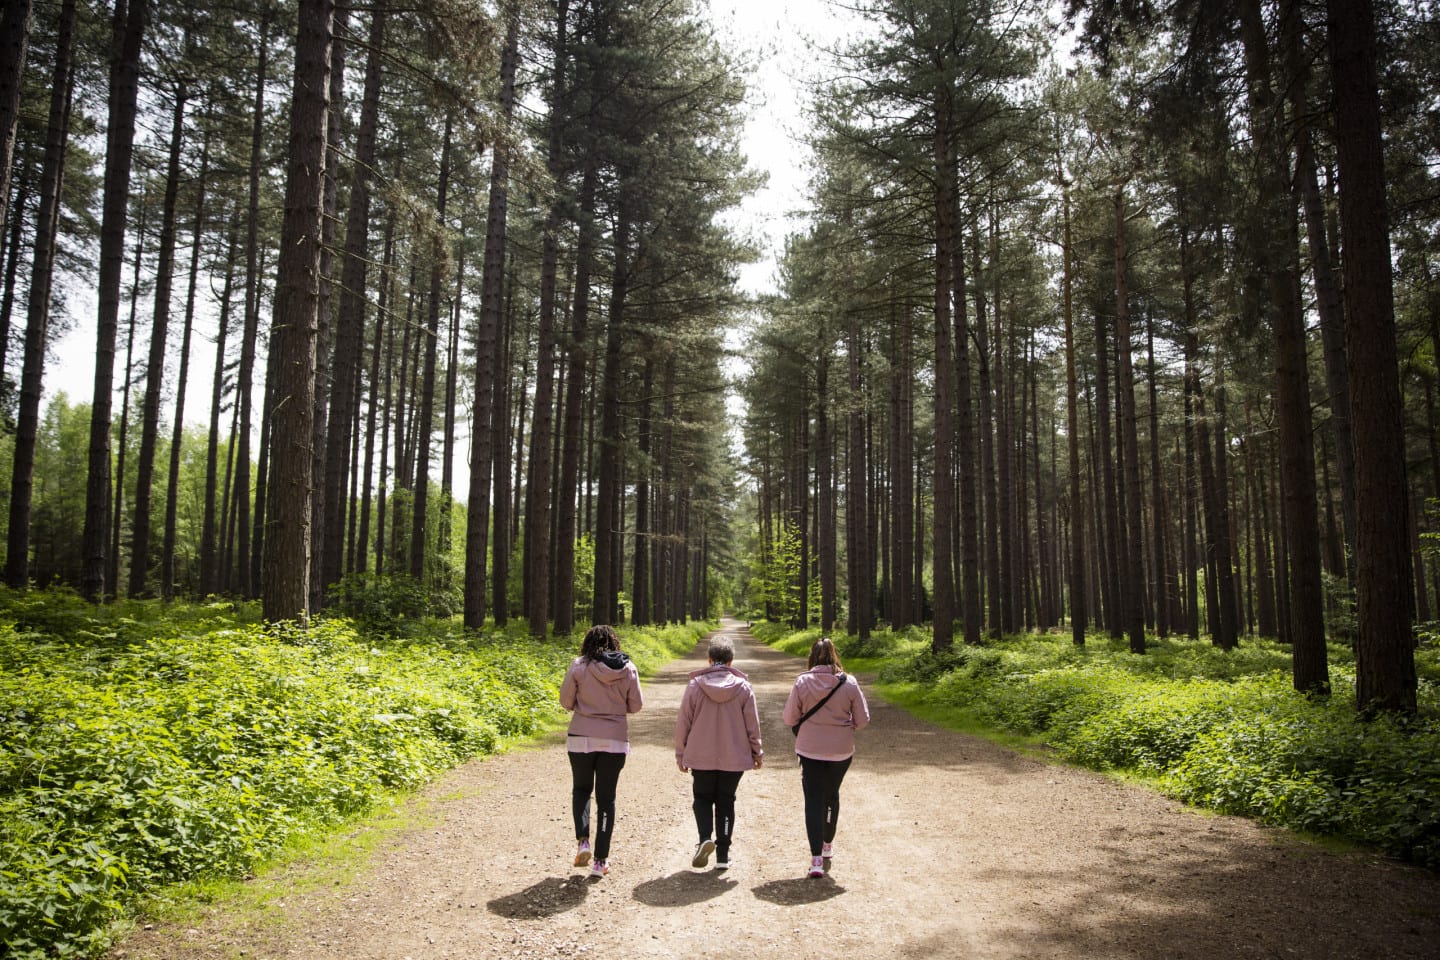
(717, 738)
(601, 688)
(825, 742)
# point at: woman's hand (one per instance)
(759, 761)
(681, 765)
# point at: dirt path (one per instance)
(948, 846)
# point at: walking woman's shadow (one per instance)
(684, 888)
(547, 898)
(798, 891)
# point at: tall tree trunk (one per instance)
(608, 529)
(155, 366)
(285, 587)
(945, 238)
(37, 323)
(10, 254)
(537, 487)
(1109, 539)
(640, 556)
(172, 486)
(1265, 584)
(127, 32)
(210, 580)
(1134, 573)
(504, 456)
(991, 494)
(425, 427)
(1278, 227)
(575, 376)
(15, 23)
(377, 397)
(1385, 676)
(325, 335)
(245, 374)
(117, 513)
(1192, 381)
(824, 506)
(1160, 521)
(1225, 550)
(1078, 614)
(477, 532)
(350, 319)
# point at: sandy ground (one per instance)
(948, 846)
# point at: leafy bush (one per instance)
(142, 744)
(1224, 730)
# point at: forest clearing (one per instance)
(1073, 365)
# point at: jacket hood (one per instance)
(720, 682)
(609, 666)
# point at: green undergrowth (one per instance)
(1224, 731)
(144, 744)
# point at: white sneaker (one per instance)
(582, 854)
(599, 868)
(703, 849)
(826, 851)
(817, 867)
(723, 861)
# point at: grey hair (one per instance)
(721, 650)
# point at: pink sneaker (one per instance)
(599, 868)
(582, 853)
(817, 867)
(826, 851)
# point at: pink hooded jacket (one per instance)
(830, 733)
(719, 724)
(601, 692)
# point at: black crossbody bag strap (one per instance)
(811, 712)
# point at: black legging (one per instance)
(714, 805)
(597, 772)
(820, 779)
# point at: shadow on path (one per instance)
(684, 888)
(544, 899)
(798, 891)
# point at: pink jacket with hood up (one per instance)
(601, 692)
(719, 725)
(830, 733)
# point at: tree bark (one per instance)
(1134, 574)
(1078, 614)
(477, 533)
(127, 32)
(172, 486)
(575, 376)
(155, 366)
(945, 236)
(425, 425)
(15, 24)
(285, 587)
(210, 581)
(245, 374)
(350, 320)
(1385, 678)
(37, 324)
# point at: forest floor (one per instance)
(948, 846)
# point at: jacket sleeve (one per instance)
(634, 700)
(683, 719)
(569, 688)
(752, 726)
(792, 713)
(859, 710)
